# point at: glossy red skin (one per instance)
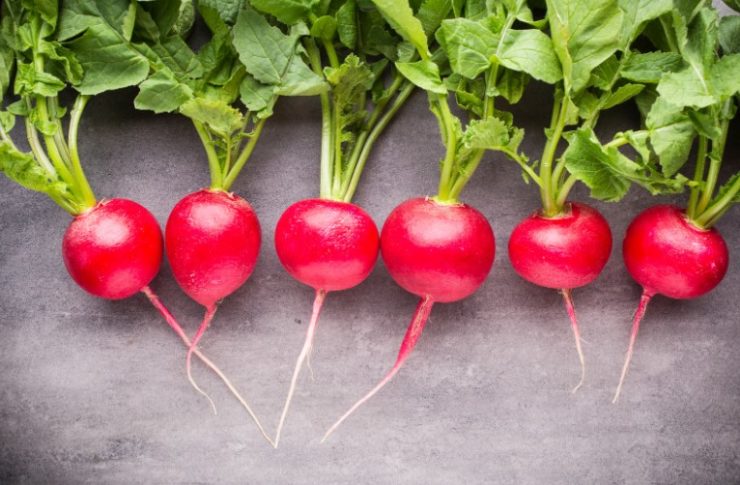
(113, 250)
(326, 244)
(563, 252)
(212, 240)
(668, 255)
(437, 250)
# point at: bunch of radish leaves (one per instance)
(352, 47)
(46, 47)
(230, 86)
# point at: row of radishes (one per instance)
(437, 248)
(439, 252)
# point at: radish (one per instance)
(667, 254)
(330, 246)
(562, 252)
(438, 252)
(669, 251)
(114, 249)
(212, 241)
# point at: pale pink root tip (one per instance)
(318, 302)
(639, 314)
(172, 322)
(570, 308)
(419, 320)
(210, 312)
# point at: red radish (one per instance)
(562, 252)
(439, 252)
(212, 240)
(668, 255)
(330, 246)
(114, 249)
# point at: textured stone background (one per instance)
(94, 391)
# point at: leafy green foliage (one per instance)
(584, 33)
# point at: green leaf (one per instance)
(622, 94)
(424, 74)
(108, 62)
(29, 81)
(22, 169)
(227, 9)
(273, 57)
(257, 97)
(532, 52)
(651, 66)
(431, 13)
(671, 135)
(729, 34)
(79, 15)
(399, 15)
(687, 87)
(286, 11)
(349, 82)
(162, 94)
(637, 13)
(468, 45)
(217, 115)
(725, 75)
(347, 24)
(324, 28)
(7, 63)
(511, 85)
(584, 34)
(490, 134)
(605, 171)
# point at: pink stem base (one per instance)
(413, 333)
(639, 314)
(318, 302)
(570, 308)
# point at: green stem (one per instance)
(701, 157)
(327, 162)
(715, 162)
(88, 197)
(58, 135)
(400, 100)
(362, 136)
(337, 143)
(331, 53)
(489, 108)
(37, 149)
(244, 155)
(719, 207)
(451, 145)
(213, 162)
(565, 189)
(547, 188)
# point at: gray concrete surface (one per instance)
(95, 391)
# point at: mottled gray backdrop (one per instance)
(94, 391)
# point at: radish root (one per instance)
(639, 314)
(419, 320)
(570, 308)
(318, 302)
(210, 312)
(172, 322)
